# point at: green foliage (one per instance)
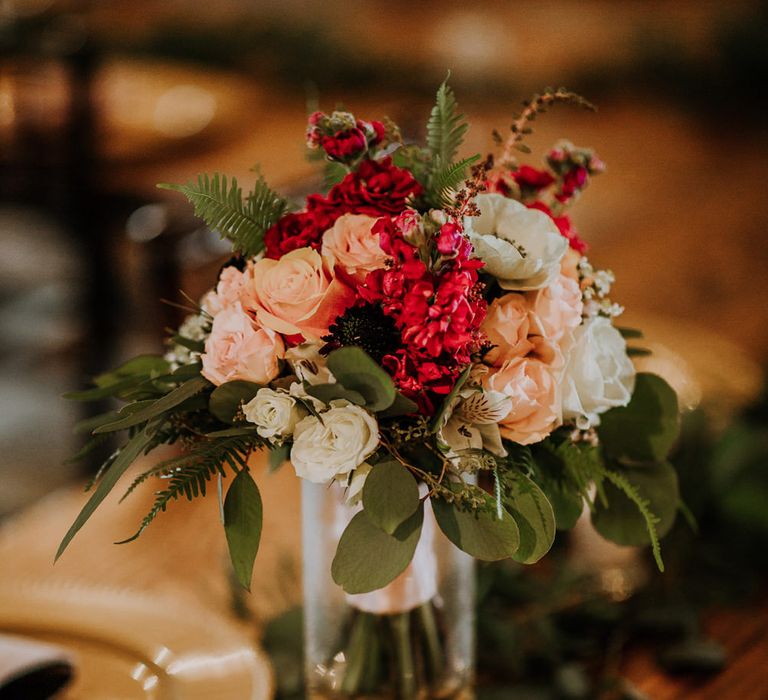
(532, 512)
(445, 179)
(640, 506)
(330, 392)
(479, 533)
(226, 399)
(189, 474)
(390, 495)
(355, 370)
(220, 204)
(646, 429)
(278, 456)
(242, 525)
(143, 411)
(446, 126)
(367, 558)
(135, 446)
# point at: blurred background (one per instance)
(101, 100)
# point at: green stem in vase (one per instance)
(431, 637)
(406, 672)
(361, 652)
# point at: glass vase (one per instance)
(414, 638)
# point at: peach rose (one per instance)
(298, 294)
(558, 308)
(240, 348)
(233, 286)
(507, 325)
(569, 265)
(351, 245)
(533, 389)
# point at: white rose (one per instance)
(275, 413)
(598, 375)
(342, 441)
(308, 364)
(521, 247)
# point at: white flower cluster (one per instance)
(194, 327)
(596, 291)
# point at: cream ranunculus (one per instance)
(274, 413)
(351, 245)
(298, 294)
(521, 247)
(240, 348)
(598, 375)
(334, 446)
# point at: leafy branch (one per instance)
(538, 104)
(220, 204)
(189, 474)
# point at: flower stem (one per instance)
(362, 647)
(434, 651)
(406, 672)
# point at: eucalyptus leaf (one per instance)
(645, 429)
(390, 495)
(242, 525)
(329, 392)
(401, 406)
(367, 558)
(480, 534)
(128, 454)
(532, 512)
(357, 371)
(278, 456)
(620, 520)
(226, 398)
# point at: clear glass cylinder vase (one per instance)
(414, 638)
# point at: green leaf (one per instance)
(193, 345)
(226, 399)
(155, 408)
(356, 371)
(652, 497)
(242, 525)
(628, 333)
(127, 456)
(480, 534)
(220, 204)
(367, 558)
(438, 419)
(446, 178)
(401, 406)
(446, 127)
(139, 366)
(390, 495)
(532, 512)
(646, 429)
(278, 456)
(329, 392)
(102, 392)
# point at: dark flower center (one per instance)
(367, 327)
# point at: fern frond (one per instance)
(446, 127)
(219, 202)
(446, 179)
(189, 474)
(643, 505)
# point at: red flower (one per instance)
(532, 178)
(377, 187)
(565, 226)
(573, 181)
(298, 230)
(438, 310)
(345, 145)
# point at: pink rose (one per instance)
(240, 348)
(507, 325)
(351, 245)
(298, 294)
(535, 394)
(558, 308)
(233, 286)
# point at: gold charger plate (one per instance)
(130, 645)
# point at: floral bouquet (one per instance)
(428, 341)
